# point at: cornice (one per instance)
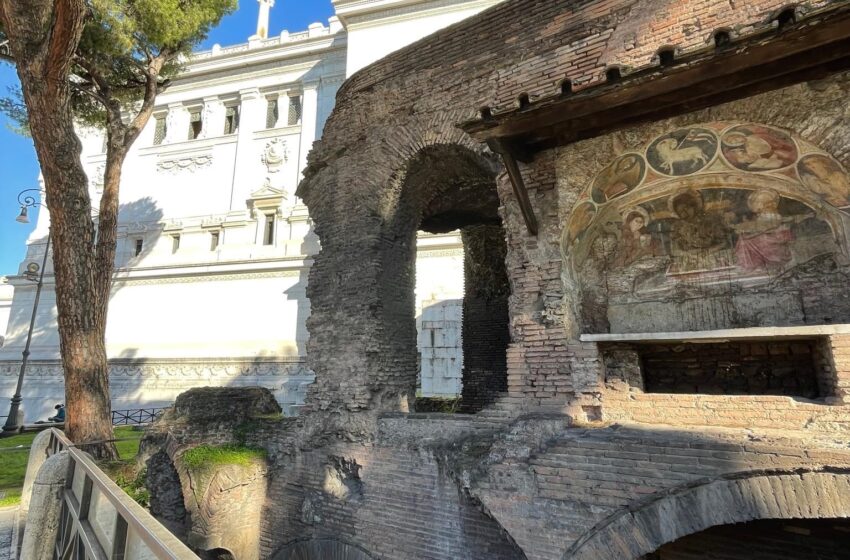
(276, 52)
(188, 147)
(358, 14)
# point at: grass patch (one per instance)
(206, 456)
(128, 450)
(13, 467)
(13, 462)
(12, 498)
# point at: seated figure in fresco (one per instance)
(764, 241)
(826, 177)
(636, 242)
(699, 239)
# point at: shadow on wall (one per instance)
(43, 385)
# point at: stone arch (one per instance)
(367, 203)
(644, 527)
(321, 548)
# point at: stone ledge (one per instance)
(752, 333)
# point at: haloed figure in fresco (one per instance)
(764, 240)
(758, 148)
(700, 238)
(636, 241)
(826, 178)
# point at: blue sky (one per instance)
(18, 163)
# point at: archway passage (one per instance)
(737, 498)
(321, 549)
(456, 189)
(801, 539)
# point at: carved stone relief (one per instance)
(190, 163)
(275, 154)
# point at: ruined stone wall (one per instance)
(364, 190)
(485, 316)
(732, 368)
(766, 540)
(392, 502)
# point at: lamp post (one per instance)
(27, 201)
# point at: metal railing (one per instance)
(99, 521)
(136, 416)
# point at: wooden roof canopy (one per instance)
(791, 50)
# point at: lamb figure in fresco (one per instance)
(764, 241)
(671, 151)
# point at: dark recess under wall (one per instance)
(788, 368)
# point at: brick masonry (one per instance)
(576, 460)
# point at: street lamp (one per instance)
(27, 201)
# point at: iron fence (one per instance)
(99, 521)
(136, 416)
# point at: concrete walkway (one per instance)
(7, 521)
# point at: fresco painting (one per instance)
(619, 178)
(827, 178)
(718, 234)
(767, 205)
(581, 219)
(758, 148)
(682, 152)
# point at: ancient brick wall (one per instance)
(365, 176)
(732, 368)
(616, 472)
(391, 503)
(766, 540)
(485, 316)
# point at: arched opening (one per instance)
(773, 539)
(321, 549)
(726, 509)
(450, 190)
(217, 554)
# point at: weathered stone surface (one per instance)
(576, 459)
(37, 457)
(45, 506)
(233, 404)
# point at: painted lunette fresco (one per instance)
(720, 209)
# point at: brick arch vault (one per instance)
(368, 193)
(646, 526)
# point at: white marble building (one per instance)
(214, 247)
(6, 294)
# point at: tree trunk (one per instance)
(43, 35)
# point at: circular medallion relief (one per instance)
(682, 152)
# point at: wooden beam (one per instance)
(505, 150)
(813, 48)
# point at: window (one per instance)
(215, 238)
(294, 111)
(195, 124)
(175, 243)
(271, 113)
(268, 232)
(231, 120)
(160, 129)
(140, 243)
